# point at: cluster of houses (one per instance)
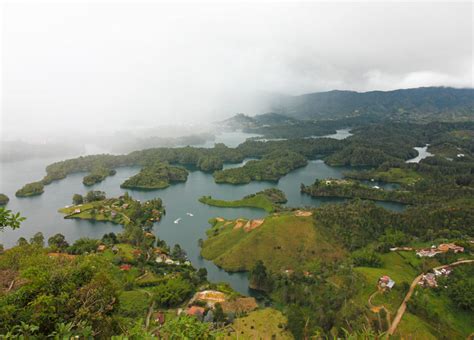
(429, 279)
(204, 302)
(162, 257)
(442, 248)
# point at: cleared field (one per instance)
(264, 324)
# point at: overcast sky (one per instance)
(93, 66)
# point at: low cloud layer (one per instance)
(93, 67)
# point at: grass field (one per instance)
(257, 201)
(395, 265)
(236, 250)
(454, 323)
(264, 324)
(397, 175)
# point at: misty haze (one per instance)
(238, 170)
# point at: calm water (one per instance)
(179, 199)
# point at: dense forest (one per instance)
(157, 176)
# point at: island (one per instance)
(97, 175)
(352, 189)
(268, 200)
(30, 189)
(122, 210)
(270, 168)
(157, 176)
(3, 199)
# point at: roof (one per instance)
(195, 310)
(125, 267)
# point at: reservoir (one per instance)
(180, 200)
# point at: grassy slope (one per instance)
(236, 250)
(457, 322)
(397, 175)
(265, 324)
(257, 201)
(401, 267)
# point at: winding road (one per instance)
(401, 310)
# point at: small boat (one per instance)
(189, 214)
(177, 220)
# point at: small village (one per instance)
(433, 250)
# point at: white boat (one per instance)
(189, 214)
(177, 220)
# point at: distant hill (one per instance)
(242, 121)
(419, 104)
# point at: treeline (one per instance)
(353, 189)
(358, 223)
(371, 145)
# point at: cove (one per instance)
(179, 199)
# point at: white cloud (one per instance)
(95, 66)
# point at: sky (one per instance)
(70, 67)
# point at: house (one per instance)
(161, 258)
(159, 251)
(427, 252)
(195, 311)
(211, 297)
(401, 249)
(115, 249)
(126, 267)
(444, 247)
(428, 280)
(386, 282)
(77, 211)
(125, 206)
(443, 271)
(159, 317)
(113, 214)
(101, 247)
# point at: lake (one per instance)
(179, 199)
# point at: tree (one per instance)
(173, 292)
(219, 315)
(259, 279)
(178, 253)
(77, 199)
(37, 239)
(83, 245)
(202, 274)
(22, 242)
(109, 239)
(95, 195)
(187, 327)
(9, 219)
(58, 242)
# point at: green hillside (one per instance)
(233, 248)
